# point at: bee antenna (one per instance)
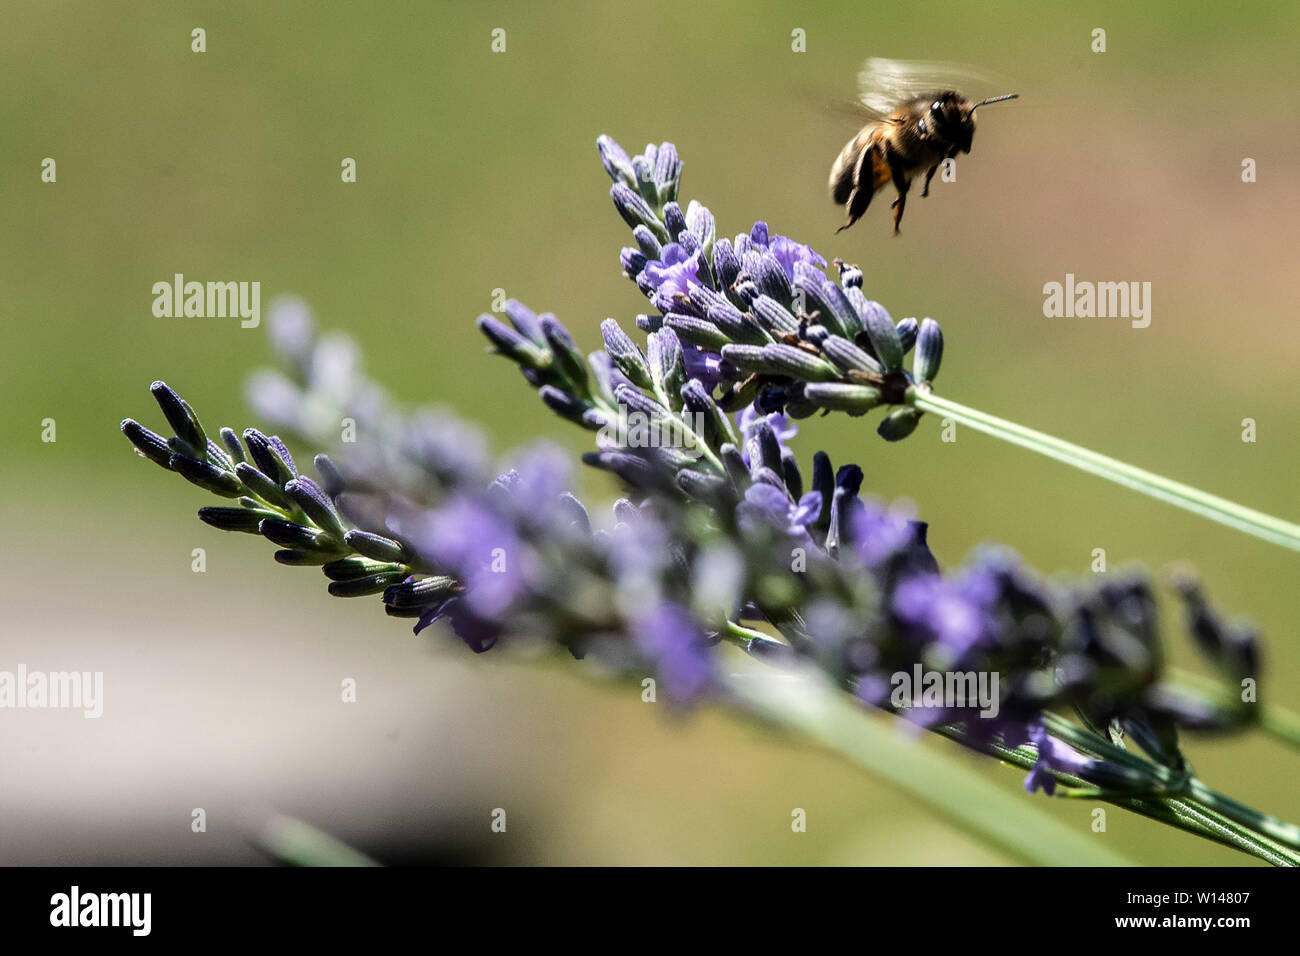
(995, 99)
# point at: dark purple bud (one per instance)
(316, 505)
(207, 476)
(262, 486)
(675, 220)
(377, 547)
(234, 519)
(907, 329)
(636, 212)
(422, 592)
(633, 261)
(775, 318)
(150, 444)
(288, 534)
(625, 354)
(798, 364)
(370, 584)
(929, 351)
(615, 160)
(898, 424)
(847, 356)
(568, 360)
(268, 458)
(726, 265)
(181, 418)
(771, 278)
(700, 332)
(650, 247)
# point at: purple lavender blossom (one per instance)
(671, 276)
(673, 641)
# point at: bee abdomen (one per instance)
(845, 169)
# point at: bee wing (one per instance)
(884, 84)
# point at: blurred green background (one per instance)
(478, 171)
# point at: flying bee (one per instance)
(910, 130)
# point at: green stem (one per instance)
(1252, 522)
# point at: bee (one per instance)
(910, 130)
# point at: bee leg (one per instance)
(871, 173)
(901, 202)
(929, 176)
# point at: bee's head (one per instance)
(952, 118)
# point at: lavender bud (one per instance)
(726, 265)
(701, 223)
(771, 279)
(675, 220)
(636, 212)
(666, 363)
(645, 180)
(847, 356)
(568, 360)
(739, 327)
(764, 449)
(150, 444)
(880, 332)
(638, 401)
(234, 519)
(838, 313)
(377, 547)
(790, 474)
(668, 171)
(299, 537)
(824, 484)
(775, 318)
(302, 559)
(906, 334)
(262, 486)
(563, 404)
(370, 584)
(929, 351)
(898, 424)
(525, 321)
(331, 478)
(421, 592)
(647, 243)
(854, 399)
(632, 261)
(266, 455)
(315, 504)
(696, 398)
(207, 476)
(713, 490)
(798, 364)
(699, 332)
(625, 354)
(615, 160)
(181, 418)
(232, 441)
(217, 456)
(749, 359)
(734, 462)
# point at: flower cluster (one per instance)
(758, 317)
(720, 538)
